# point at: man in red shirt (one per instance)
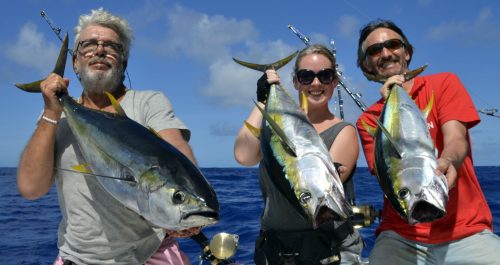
(464, 235)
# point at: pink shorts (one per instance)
(169, 253)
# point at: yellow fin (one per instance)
(255, 131)
(370, 129)
(303, 102)
(115, 104)
(154, 132)
(82, 168)
(429, 106)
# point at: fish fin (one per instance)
(369, 129)
(263, 67)
(429, 106)
(116, 104)
(34, 87)
(154, 132)
(255, 131)
(279, 132)
(82, 168)
(408, 75)
(303, 102)
(413, 73)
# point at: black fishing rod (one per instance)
(489, 112)
(57, 31)
(364, 215)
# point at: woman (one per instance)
(315, 76)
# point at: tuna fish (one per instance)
(407, 171)
(296, 157)
(137, 167)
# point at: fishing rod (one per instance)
(489, 112)
(57, 31)
(364, 215)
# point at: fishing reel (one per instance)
(363, 215)
(219, 250)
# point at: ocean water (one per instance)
(28, 229)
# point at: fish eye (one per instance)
(304, 197)
(403, 193)
(179, 197)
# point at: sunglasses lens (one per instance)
(305, 77)
(392, 44)
(374, 49)
(326, 76)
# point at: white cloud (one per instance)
(348, 26)
(203, 37)
(213, 41)
(31, 49)
(231, 84)
(484, 30)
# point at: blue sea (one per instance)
(28, 229)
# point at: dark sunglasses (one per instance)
(392, 44)
(306, 76)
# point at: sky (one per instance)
(185, 49)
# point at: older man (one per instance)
(95, 228)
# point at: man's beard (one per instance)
(97, 82)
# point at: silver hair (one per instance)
(103, 18)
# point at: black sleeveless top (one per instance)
(278, 213)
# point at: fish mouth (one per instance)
(424, 211)
(325, 214)
(205, 214)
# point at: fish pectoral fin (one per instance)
(279, 132)
(34, 87)
(116, 105)
(82, 168)
(255, 131)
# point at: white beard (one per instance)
(97, 82)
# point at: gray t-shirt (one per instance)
(95, 227)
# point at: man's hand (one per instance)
(446, 167)
(386, 88)
(51, 86)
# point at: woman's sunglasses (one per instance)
(306, 76)
(392, 44)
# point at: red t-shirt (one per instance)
(467, 209)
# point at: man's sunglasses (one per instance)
(392, 44)
(306, 76)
